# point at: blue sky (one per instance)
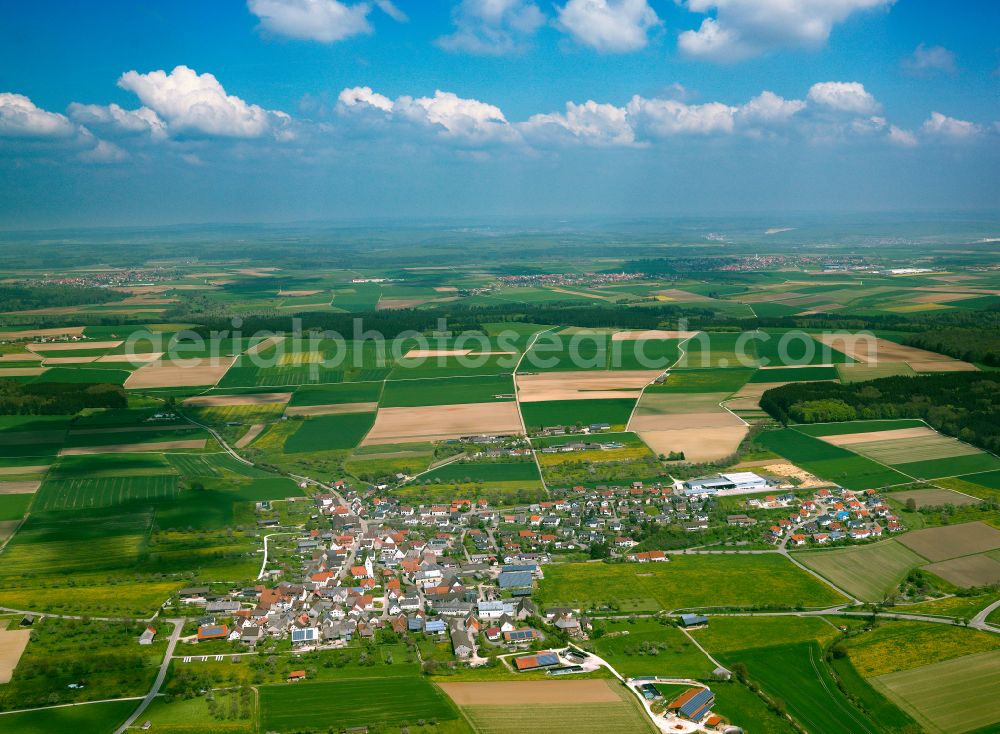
(279, 110)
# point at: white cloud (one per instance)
(901, 137)
(667, 117)
(142, 120)
(590, 123)
(197, 103)
(609, 26)
(746, 28)
(492, 27)
(843, 97)
(313, 20)
(19, 117)
(771, 108)
(390, 9)
(103, 152)
(925, 59)
(949, 128)
(451, 116)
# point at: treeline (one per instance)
(25, 297)
(971, 344)
(57, 398)
(961, 404)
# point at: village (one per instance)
(364, 568)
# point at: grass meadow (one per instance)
(615, 411)
(868, 572)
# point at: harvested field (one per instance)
(931, 693)
(530, 692)
(427, 353)
(131, 448)
(27, 487)
(131, 429)
(698, 444)
(262, 398)
(935, 498)
(582, 294)
(295, 294)
(709, 419)
(952, 541)
(249, 436)
(20, 357)
(332, 409)
(942, 297)
(676, 294)
(583, 385)
(265, 344)
(446, 289)
(143, 358)
(7, 471)
(38, 333)
(21, 371)
(54, 361)
(942, 366)
(866, 571)
(387, 304)
(968, 571)
(170, 374)
(12, 644)
(748, 396)
(66, 346)
(873, 350)
(650, 334)
(440, 422)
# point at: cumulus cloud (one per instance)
(590, 123)
(117, 118)
(771, 108)
(942, 127)
(901, 137)
(325, 21)
(195, 103)
(20, 118)
(609, 26)
(746, 28)
(666, 117)
(104, 152)
(927, 59)
(843, 97)
(492, 27)
(446, 114)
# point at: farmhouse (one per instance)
(147, 636)
(693, 620)
(694, 704)
(213, 632)
(546, 659)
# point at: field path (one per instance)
(160, 676)
(517, 401)
(979, 621)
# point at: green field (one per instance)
(615, 411)
(830, 462)
(447, 391)
(797, 675)
(79, 494)
(486, 471)
(559, 718)
(94, 718)
(795, 348)
(685, 582)
(336, 394)
(361, 702)
(731, 634)
(646, 647)
(951, 467)
(703, 380)
(868, 572)
(861, 372)
(949, 697)
(453, 366)
(795, 374)
(329, 432)
(13, 506)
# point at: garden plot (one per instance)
(166, 373)
(952, 541)
(950, 697)
(582, 385)
(441, 422)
